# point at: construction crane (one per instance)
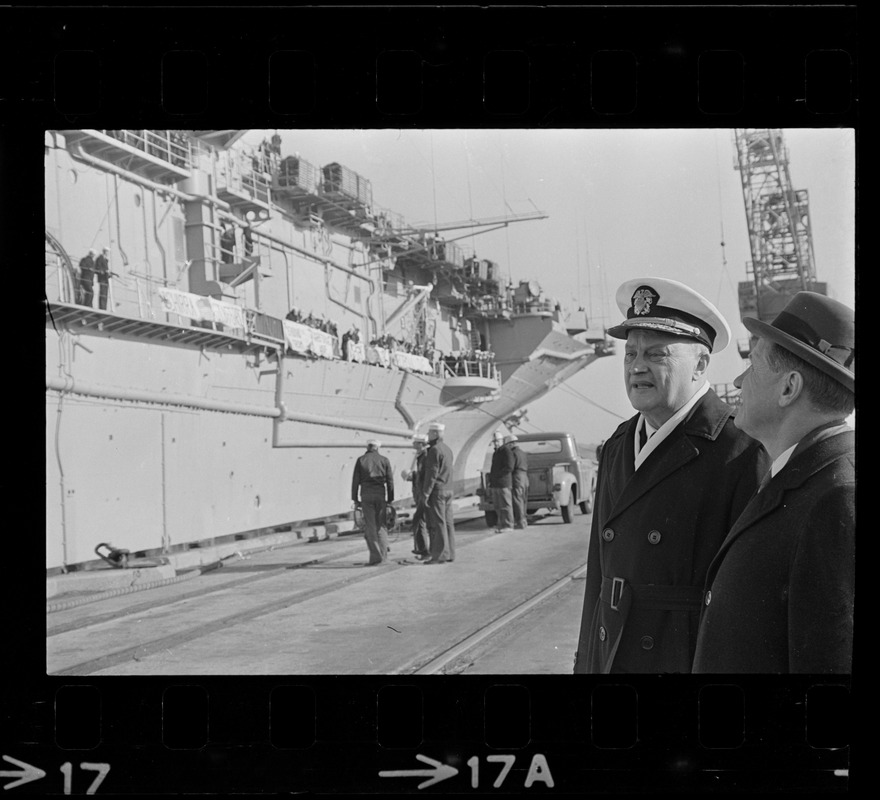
(778, 220)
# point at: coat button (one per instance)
(608, 534)
(654, 537)
(602, 633)
(708, 597)
(647, 642)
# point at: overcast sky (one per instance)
(620, 204)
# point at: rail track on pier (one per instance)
(317, 609)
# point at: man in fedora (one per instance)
(372, 489)
(779, 593)
(672, 481)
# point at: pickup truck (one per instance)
(559, 477)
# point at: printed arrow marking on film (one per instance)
(438, 772)
(26, 774)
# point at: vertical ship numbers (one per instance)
(538, 772)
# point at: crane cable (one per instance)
(724, 270)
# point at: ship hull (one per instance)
(134, 458)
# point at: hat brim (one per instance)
(621, 331)
(809, 354)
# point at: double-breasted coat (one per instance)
(779, 593)
(654, 534)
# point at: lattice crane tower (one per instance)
(778, 219)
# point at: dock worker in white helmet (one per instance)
(416, 474)
(520, 486)
(500, 481)
(437, 496)
(372, 488)
(672, 481)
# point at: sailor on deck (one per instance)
(85, 283)
(102, 270)
(372, 488)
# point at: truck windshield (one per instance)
(543, 446)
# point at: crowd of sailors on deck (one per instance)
(318, 323)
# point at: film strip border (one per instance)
(391, 735)
(202, 67)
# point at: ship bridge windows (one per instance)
(163, 156)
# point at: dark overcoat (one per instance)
(654, 534)
(779, 593)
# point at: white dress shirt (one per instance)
(657, 435)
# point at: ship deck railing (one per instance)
(168, 145)
(451, 367)
(544, 308)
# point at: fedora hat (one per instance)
(667, 306)
(819, 330)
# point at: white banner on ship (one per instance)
(305, 339)
(356, 351)
(412, 362)
(322, 344)
(183, 303)
(299, 337)
(201, 309)
(228, 315)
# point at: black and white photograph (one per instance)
(370, 401)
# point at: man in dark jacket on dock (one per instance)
(501, 484)
(779, 593)
(672, 481)
(520, 483)
(372, 488)
(421, 541)
(437, 496)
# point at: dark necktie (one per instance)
(643, 437)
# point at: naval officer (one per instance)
(779, 593)
(671, 483)
(372, 488)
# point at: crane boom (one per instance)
(473, 223)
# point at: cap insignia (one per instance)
(643, 299)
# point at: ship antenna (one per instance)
(434, 186)
(506, 227)
(577, 251)
(467, 167)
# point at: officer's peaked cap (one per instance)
(668, 306)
